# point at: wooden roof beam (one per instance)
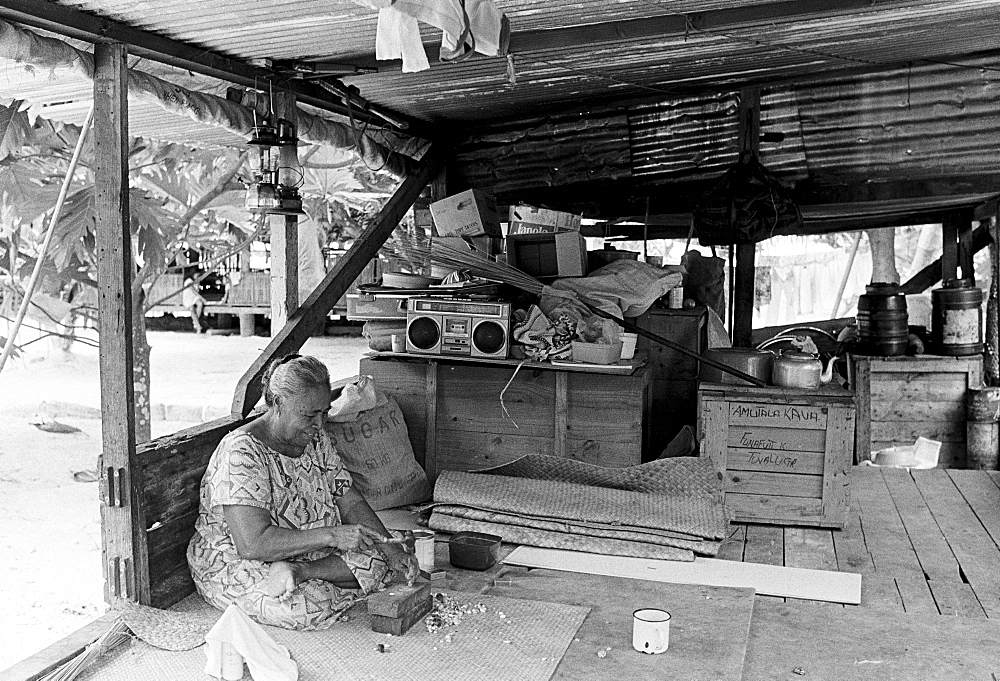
(95, 29)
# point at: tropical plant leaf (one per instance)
(14, 128)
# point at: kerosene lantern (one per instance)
(262, 193)
(277, 174)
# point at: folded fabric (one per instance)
(266, 659)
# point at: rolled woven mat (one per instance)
(683, 475)
(699, 516)
(699, 546)
(560, 540)
(168, 629)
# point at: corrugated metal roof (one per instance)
(650, 110)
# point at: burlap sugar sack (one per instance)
(375, 448)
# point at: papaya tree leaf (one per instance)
(14, 128)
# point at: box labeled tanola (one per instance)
(525, 219)
(469, 213)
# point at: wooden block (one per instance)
(397, 626)
(397, 600)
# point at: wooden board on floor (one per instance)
(864, 644)
(972, 545)
(887, 541)
(936, 558)
(774, 580)
(702, 618)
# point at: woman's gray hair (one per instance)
(293, 374)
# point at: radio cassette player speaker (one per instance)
(459, 328)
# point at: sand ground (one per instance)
(50, 541)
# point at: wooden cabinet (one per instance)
(458, 421)
(674, 387)
(784, 454)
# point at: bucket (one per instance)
(982, 404)
(882, 320)
(982, 445)
(957, 318)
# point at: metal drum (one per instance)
(957, 318)
(882, 320)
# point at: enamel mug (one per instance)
(651, 631)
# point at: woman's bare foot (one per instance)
(282, 579)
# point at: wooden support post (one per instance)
(313, 311)
(965, 247)
(284, 269)
(123, 522)
(992, 347)
(949, 247)
(560, 420)
(431, 424)
(748, 135)
(284, 231)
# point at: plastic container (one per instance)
(474, 550)
(597, 353)
(957, 318)
(628, 344)
(882, 320)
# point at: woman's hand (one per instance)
(352, 537)
(404, 565)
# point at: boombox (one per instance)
(463, 328)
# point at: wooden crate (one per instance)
(456, 422)
(784, 454)
(902, 398)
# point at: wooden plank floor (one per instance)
(925, 542)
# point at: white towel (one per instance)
(266, 659)
(398, 36)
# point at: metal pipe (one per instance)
(30, 289)
(629, 326)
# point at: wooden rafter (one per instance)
(313, 311)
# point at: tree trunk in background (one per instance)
(883, 245)
(140, 369)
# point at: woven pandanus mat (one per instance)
(699, 516)
(526, 643)
(683, 475)
(653, 537)
(531, 536)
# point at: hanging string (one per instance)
(503, 406)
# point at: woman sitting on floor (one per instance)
(281, 531)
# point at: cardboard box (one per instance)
(525, 219)
(470, 213)
(482, 246)
(548, 255)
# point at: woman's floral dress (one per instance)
(299, 493)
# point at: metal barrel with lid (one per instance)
(882, 320)
(957, 318)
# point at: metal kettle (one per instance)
(796, 369)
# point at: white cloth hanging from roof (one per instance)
(478, 26)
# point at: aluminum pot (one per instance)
(748, 360)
